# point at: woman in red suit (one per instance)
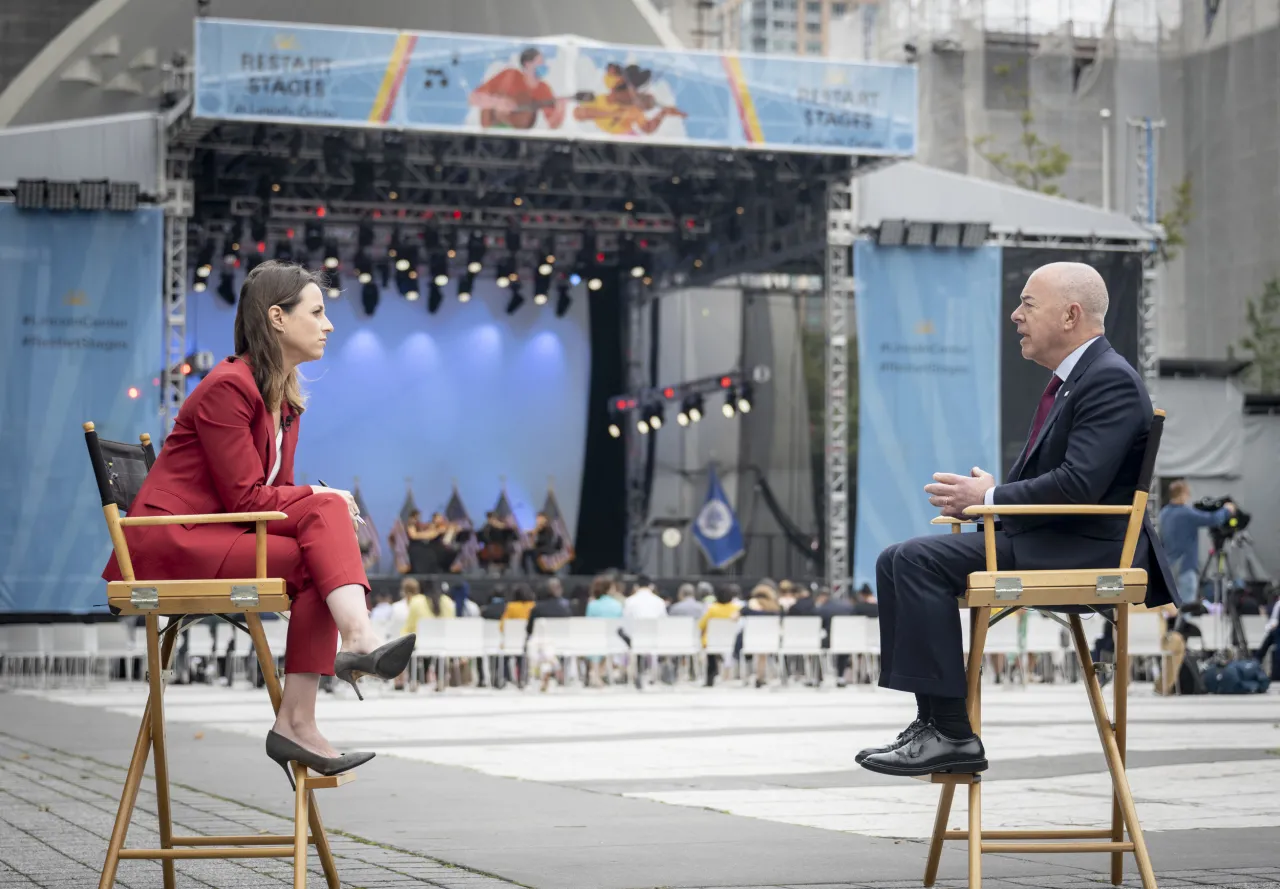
(231, 450)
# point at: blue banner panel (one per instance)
(550, 87)
(928, 384)
(81, 316)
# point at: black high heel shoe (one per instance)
(385, 662)
(284, 751)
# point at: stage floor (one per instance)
(619, 789)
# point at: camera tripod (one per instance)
(1220, 570)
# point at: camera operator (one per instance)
(1180, 524)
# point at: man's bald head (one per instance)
(1075, 282)
(1063, 305)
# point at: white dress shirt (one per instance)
(1062, 372)
(643, 603)
(275, 470)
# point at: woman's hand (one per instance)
(346, 496)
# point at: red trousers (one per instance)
(315, 551)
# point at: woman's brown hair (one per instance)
(271, 284)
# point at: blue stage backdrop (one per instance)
(468, 395)
(81, 315)
(928, 383)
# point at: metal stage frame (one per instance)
(699, 215)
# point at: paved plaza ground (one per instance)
(619, 789)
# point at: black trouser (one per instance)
(917, 584)
(713, 668)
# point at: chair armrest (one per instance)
(206, 519)
(948, 520)
(1049, 509)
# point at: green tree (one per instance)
(1262, 342)
(1175, 221)
(1034, 164)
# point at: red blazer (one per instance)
(216, 459)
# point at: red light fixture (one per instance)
(457, 214)
(185, 368)
(320, 211)
(599, 257)
(288, 233)
(726, 382)
(668, 392)
(262, 246)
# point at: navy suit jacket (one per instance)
(1089, 450)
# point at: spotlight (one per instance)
(435, 297)
(314, 235)
(507, 271)
(231, 243)
(563, 299)
(254, 261)
(475, 252)
(512, 237)
(642, 426)
(594, 283)
(542, 283)
(637, 271)
(728, 410)
(411, 294)
(615, 431)
(517, 298)
(683, 417)
(695, 408)
(364, 235)
(199, 286)
(439, 269)
(545, 269)
(394, 246)
(227, 288)
(539, 299)
(369, 297)
(335, 285)
(331, 260)
(364, 268)
(465, 283)
(744, 399)
(657, 414)
(204, 259)
(284, 251)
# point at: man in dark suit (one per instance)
(1085, 445)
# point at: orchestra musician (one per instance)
(543, 553)
(497, 537)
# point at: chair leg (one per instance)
(266, 662)
(939, 828)
(300, 822)
(975, 833)
(323, 849)
(1119, 779)
(155, 667)
(1121, 704)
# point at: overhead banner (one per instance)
(415, 80)
(81, 315)
(928, 384)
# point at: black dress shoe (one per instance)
(929, 752)
(903, 737)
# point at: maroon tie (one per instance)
(1042, 412)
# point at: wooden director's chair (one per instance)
(1092, 589)
(120, 470)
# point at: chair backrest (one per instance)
(761, 633)
(848, 635)
(1143, 490)
(119, 470)
(722, 635)
(73, 639)
(801, 633)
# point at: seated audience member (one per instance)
(428, 604)
(802, 604)
(381, 611)
(1086, 445)
(603, 601)
(763, 601)
(722, 609)
(865, 602)
(497, 604)
(520, 606)
(643, 601)
(551, 604)
(686, 605)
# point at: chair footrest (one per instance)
(210, 852)
(1098, 834)
(1054, 848)
(321, 782)
(260, 839)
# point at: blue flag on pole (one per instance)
(716, 528)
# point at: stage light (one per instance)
(657, 414)
(231, 243)
(133, 392)
(431, 235)
(507, 271)
(642, 426)
(517, 298)
(439, 269)
(184, 369)
(204, 258)
(695, 408)
(465, 283)
(891, 233)
(402, 264)
(364, 268)
(539, 299)
(682, 417)
(369, 297)
(314, 237)
(258, 228)
(227, 288)
(475, 252)
(728, 410)
(364, 234)
(331, 260)
(615, 431)
(594, 284)
(975, 234)
(284, 251)
(435, 297)
(563, 299)
(919, 234)
(575, 279)
(411, 294)
(254, 261)
(199, 286)
(744, 399)
(947, 235)
(335, 285)
(512, 238)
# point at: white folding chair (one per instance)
(514, 638)
(492, 650)
(463, 641)
(431, 643)
(115, 643)
(801, 637)
(1045, 640)
(761, 637)
(29, 646)
(722, 637)
(70, 645)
